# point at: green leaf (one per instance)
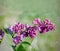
(26, 43)
(22, 46)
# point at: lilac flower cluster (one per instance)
(44, 26)
(23, 31)
(31, 32)
(17, 40)
(17, 28)
(1, 34)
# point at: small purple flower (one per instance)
(31, 32)
(49, 24)
(46, 21)
(17, 28)
(27, 26)
(44, 26)
(37, 21)
(17, 40)
(1, 34)
(24, 34)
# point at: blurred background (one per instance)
(25, 11)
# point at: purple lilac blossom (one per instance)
(17, 28)
(17, 40)
(37, 21)
(27, 26)
(49, 24)
(1, 34)
(31, 32)
(44, 26)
